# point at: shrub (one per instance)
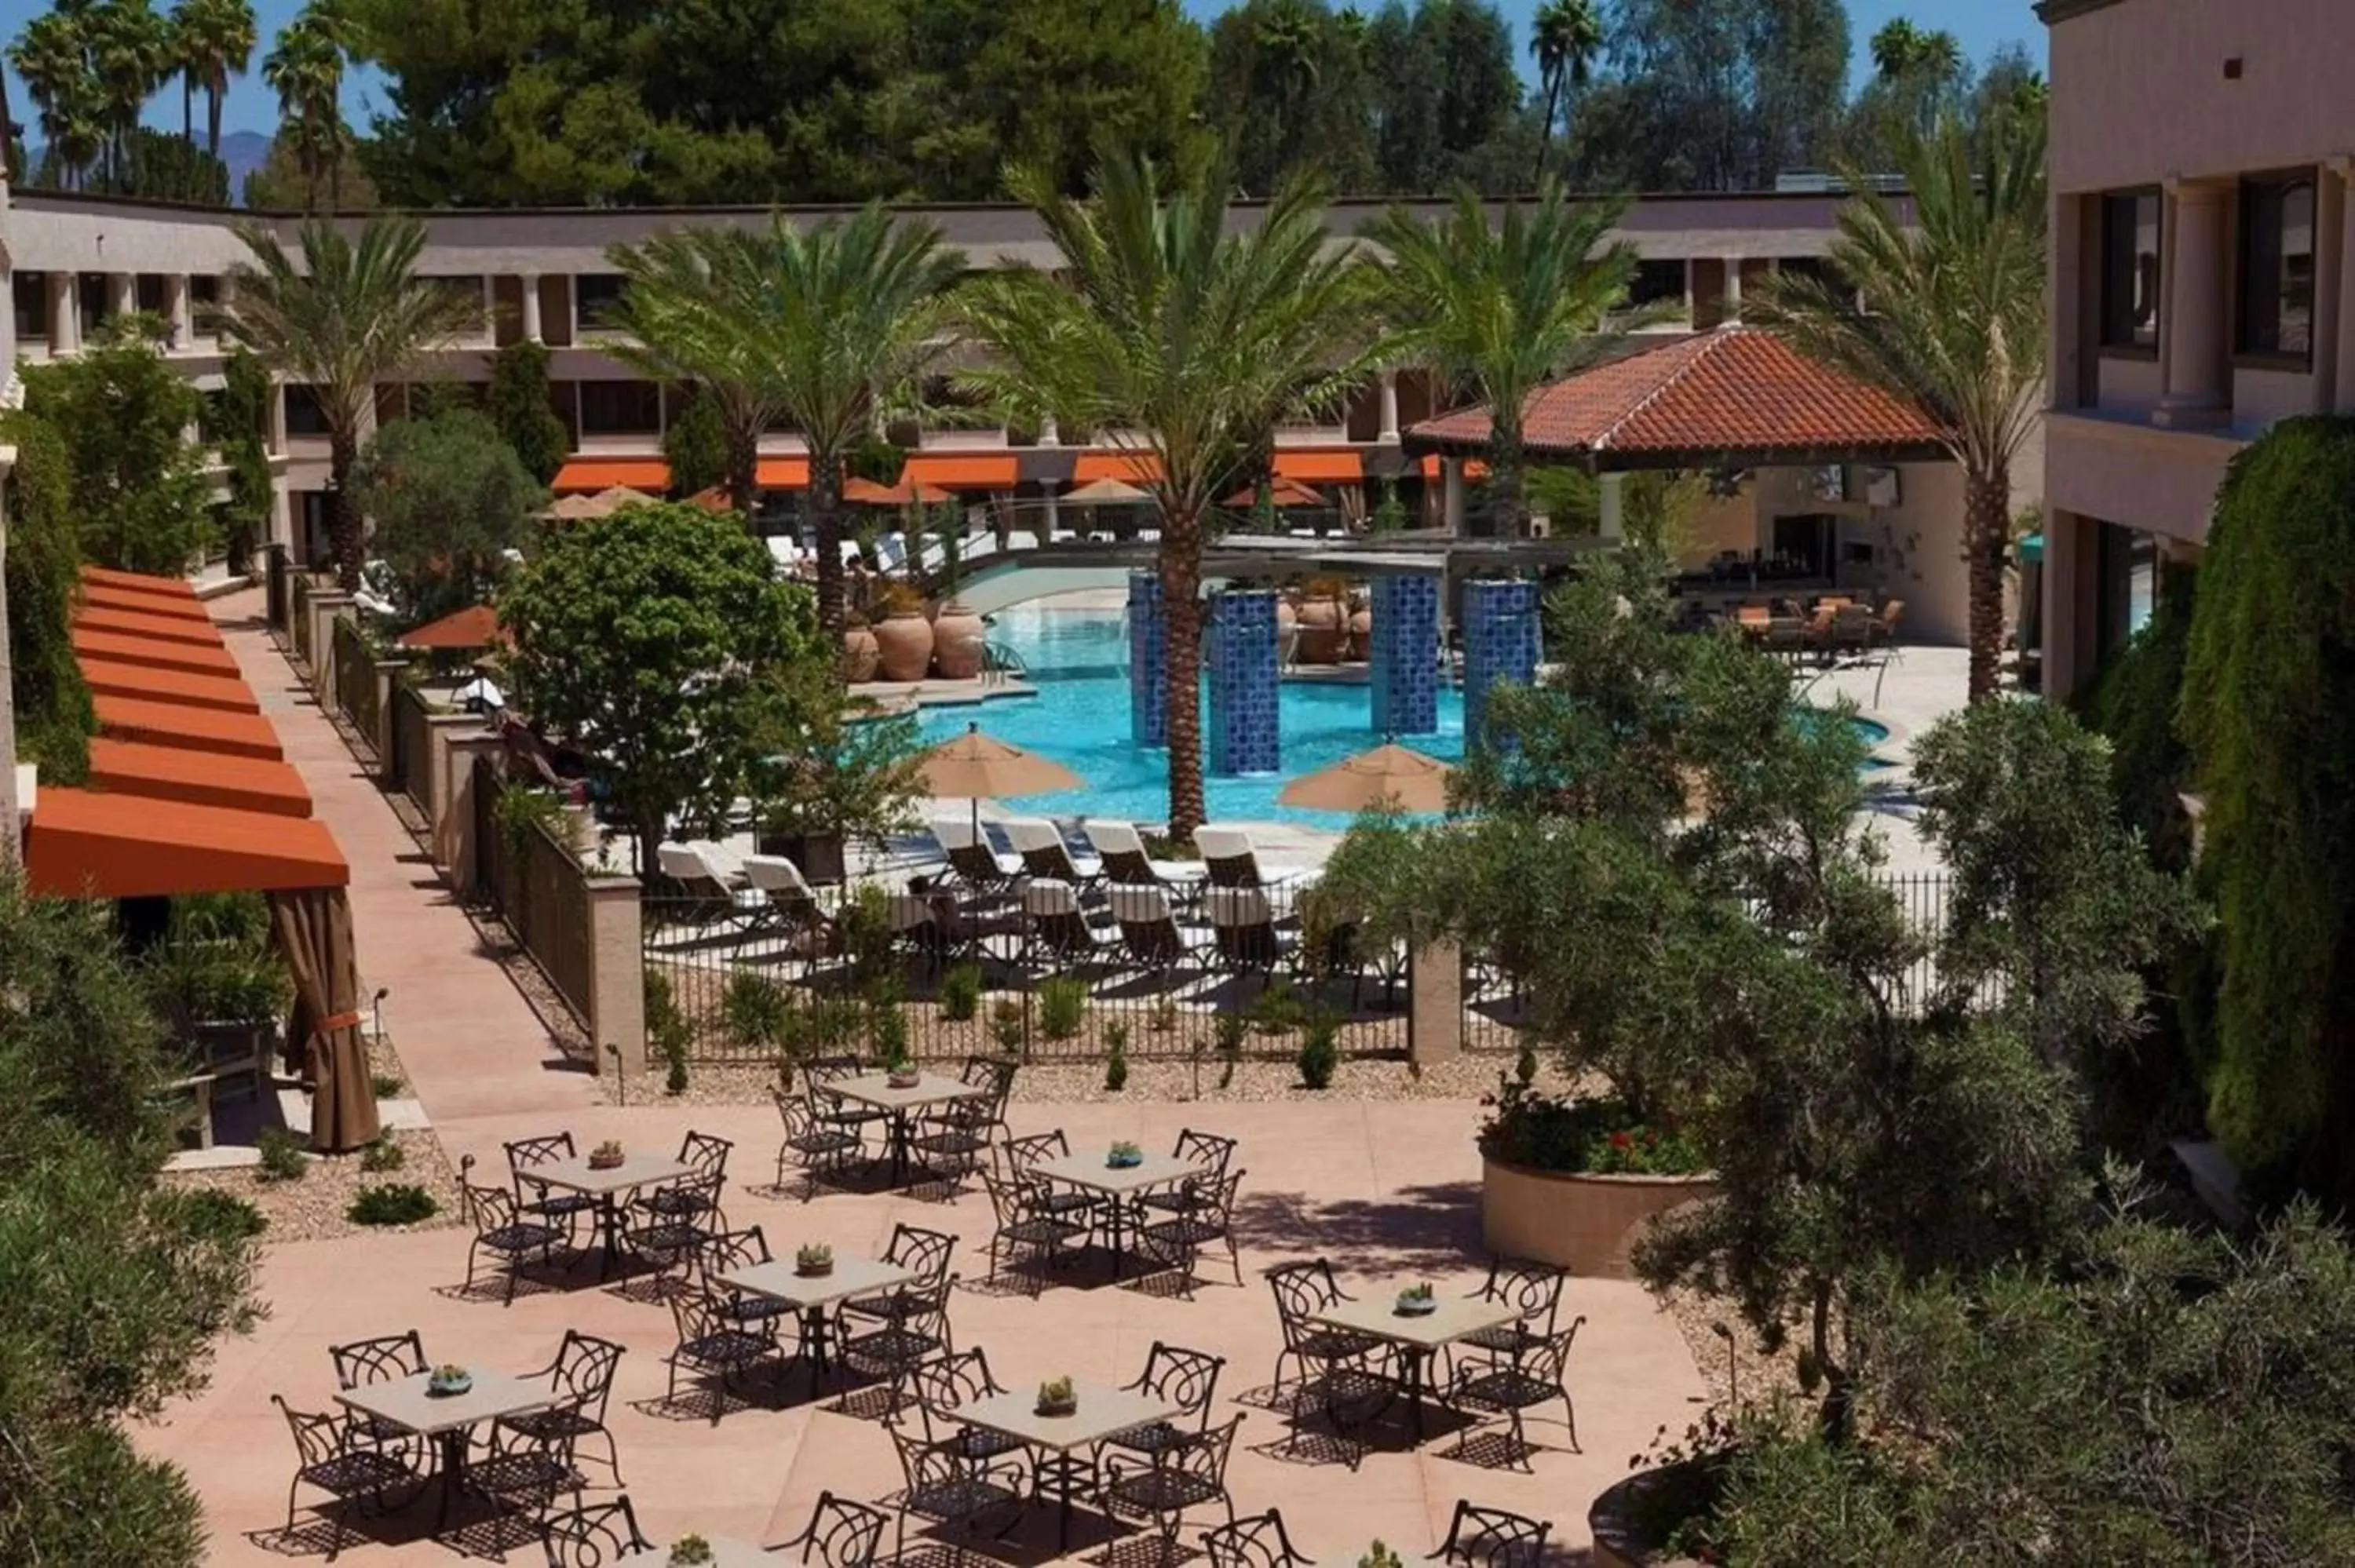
(1062, 1003)
(282, 1158)
(674, 1050)
(382, 1155)
(226, 1215)
(1231, 1028)
(1116, 1034)
(887, 1036)
(392, 1204)
(1525, 1065)
(756, 1013)
(1320, 1051)
(1278, 1010)
(961, 993)
(1009, 1027)
(1547, 1132)
(1163, 1020)
(386, 1086)
(833, 1026)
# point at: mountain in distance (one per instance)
(243, 151)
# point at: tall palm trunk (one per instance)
(1545, 132)
(188, 110)
(744, 467)
(343, 510)
(1181, 645)
(212, 120)
(1987, 536)
(1508, 505)
(8, 169)
(825, 510)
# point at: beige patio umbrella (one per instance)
(613, 497)
(1105, 493)
(976, 766)
(572, 509)
(1389, 776)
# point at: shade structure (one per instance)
(167, 722)
(866, 493)
(1106, 493)
(199, 777)
(108, 596)
(1281, 491)
(615, 497)
(589, 476)
(1390, 777)
(117, 621)
(142, 682)
(477, 626)
(975, 766)
(124, 649)
(89, 844)
(315, 931)
(572, 509)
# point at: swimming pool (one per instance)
(1079, 663)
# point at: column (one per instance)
(1389, 432)
(1451, 491)
(1403, 667)
(1148, 688)
(1053, 510)
(121, 295)
(2195, 320)
(1244, 685)
(531, 307)
(1500, 644)
(1732, 291)
(178, 312)
(65, 313)
(1613, 518)
(1049, 436)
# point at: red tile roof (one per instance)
(1733, 390)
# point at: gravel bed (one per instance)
(312, 1206)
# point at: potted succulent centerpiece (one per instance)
(1124, 1156)
(814, 1261)
(448, 1380)
(1416, 1301)
(690, 1551)
(904, 1076)
(1056, 1396)
(1379, 1556)
(606, 1156)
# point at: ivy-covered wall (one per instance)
(54, 720)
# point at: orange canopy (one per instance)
(477, 626)
(781, 474)
(962, 471)
(110, 677)
(190, 728)
(1473, 467)
(1320, 466)
(199, 777)
(1131, 468)
(142, 650)
(137, 623)
(87, 844)
(592, 474)
(140, 582)
(102, 596)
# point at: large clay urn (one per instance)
(956, 642)
(1362, 631)
(1323, 623)
(904, 641)
(859, 653)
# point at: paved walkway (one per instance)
(467, 1041)
(1388, 1191)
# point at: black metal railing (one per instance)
(750, 981)
(408, 768)
(298, 605)
(356, 687)
(535, 883)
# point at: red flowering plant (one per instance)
(1603, 1135)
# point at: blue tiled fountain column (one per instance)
(1500, 644)
(1405, 675)
(1243, 693)
(1148, 689)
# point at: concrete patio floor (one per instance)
(1387, 1190)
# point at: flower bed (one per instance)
(1574, 1183)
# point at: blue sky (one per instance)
(1981, 25)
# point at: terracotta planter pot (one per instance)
(1586, 1223)
(859, 653)
(1362, 634)
(956, 642)
(904, 646)
(1323, 625)
(1615, 1521)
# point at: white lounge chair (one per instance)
(1053, 922)
(712, 893)
(1150, 930)
(1122, 849)
(1044, 852)
(1244, 927)
(1232, 862)
(970, 856)
(792, 902)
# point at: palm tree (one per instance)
(215, 42)
(1956, 324)
(1503, 308)
(1195, 340)
(306, 71)
(130, 48)
(1566, 39)
(53, 57)
(835, 327)
(339, 317)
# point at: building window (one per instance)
(204, 288)
(30, 295)
(2130, 270)
(595, 297)
(2276, 304)
(1656, 283)
(305, 417)
(467, 287)
(619, 408)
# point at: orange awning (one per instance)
(90, 844)
(177, 724)
(962, 471)
(109, 677)
(159, 628)
(1129, 468)
(591, 475)
(124, 649)
(781, 474)
(1473, 467)
(1320, 465)
(140, 582)
(198, 777)
(142, 601)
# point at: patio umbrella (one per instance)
(866, 493)
(1388, 775)
(572, 509)
(477, 626)
(1281, 491)
(1105, 493)
(975, 767)
(613, 497)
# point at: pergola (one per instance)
(1734, 397)
(189, 792)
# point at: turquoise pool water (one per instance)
(1079, 662)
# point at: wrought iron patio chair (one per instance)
(1187, 1475)
(1208, 1217)
(581, 1377)
(500, 1229)
(1492, 1538)
(1254, 1540)
(1534, 1290)
(819, 1146)
(711, 1342)
(1513, 1386)
(353, 1474)
(840, 1535)
(1176, 1376)
(924, 1253)
(388, 1358)
(596, 1535)
(535, 1201)
(1023, 1230)
(944, 1488)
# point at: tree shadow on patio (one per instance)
(1425, 1230)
